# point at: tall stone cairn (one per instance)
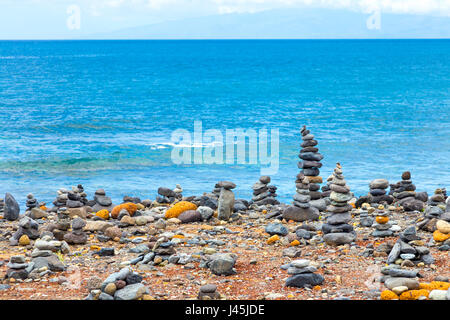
(310, 163)
(337, 230)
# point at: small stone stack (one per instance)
(17, 268)
(226, 200)
(302, 274)
(301, 209)
(337, 231)
(27, 227)
(365, 217)
(382, 224)
(61, 199)
(378, 191)
(404, 194)
(83, 196)
(433, 212)
(438, 199)
(101, 201)
(74, 199)
(156, 252)
(166, 195)
(122, 285)
(178, 192)
(409, 247)
(263, 193)
(62, 225)
(77, 235)
(31, 202)
(400, 280)
(310, 164)
(208, 292)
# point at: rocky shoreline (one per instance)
(326, 244)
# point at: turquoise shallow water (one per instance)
(101, 113)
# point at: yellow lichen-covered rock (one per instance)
(129, 206)
(179, 208)
(382, 220)
(414, 294)
(434, 285)
(24, 240)
(104, 214)
(273, 239)
(388, 295)
(440, 237)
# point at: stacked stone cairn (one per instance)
(263, 193)
(301, 210)
(61, 199)
(309, 165)
(399, 280)
(128, 199)
(101, 201)
(17, 268)
(122, 285)
(433, 212)
(378, 191)
(410, 248)
(178, 192)
(226, 200)
(77, 235)
(28, 229)
(44, 255)
(62, 225)
(365, 215)
(31, 202)
(166, 195)
(382, 224)
(157, 252)
(438, 198)
(302, 274)
(337, 231)
(404, 194)
(208, 292)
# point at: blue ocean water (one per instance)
(101, 113)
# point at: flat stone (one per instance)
(304, 279)
(411, 284)
(300, 214)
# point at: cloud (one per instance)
(441, 7)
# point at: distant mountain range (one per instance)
(290, 24)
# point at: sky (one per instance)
(65, 19)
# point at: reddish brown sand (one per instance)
(258, 271)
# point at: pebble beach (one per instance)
(326, 244)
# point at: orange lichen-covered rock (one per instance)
(434, 285)
(104, 214)
(388, 295)
(295, 243)
(273, 239)
(382, 220)
(414, 294)
(178, 208)
(129, 206)
(440, 237)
